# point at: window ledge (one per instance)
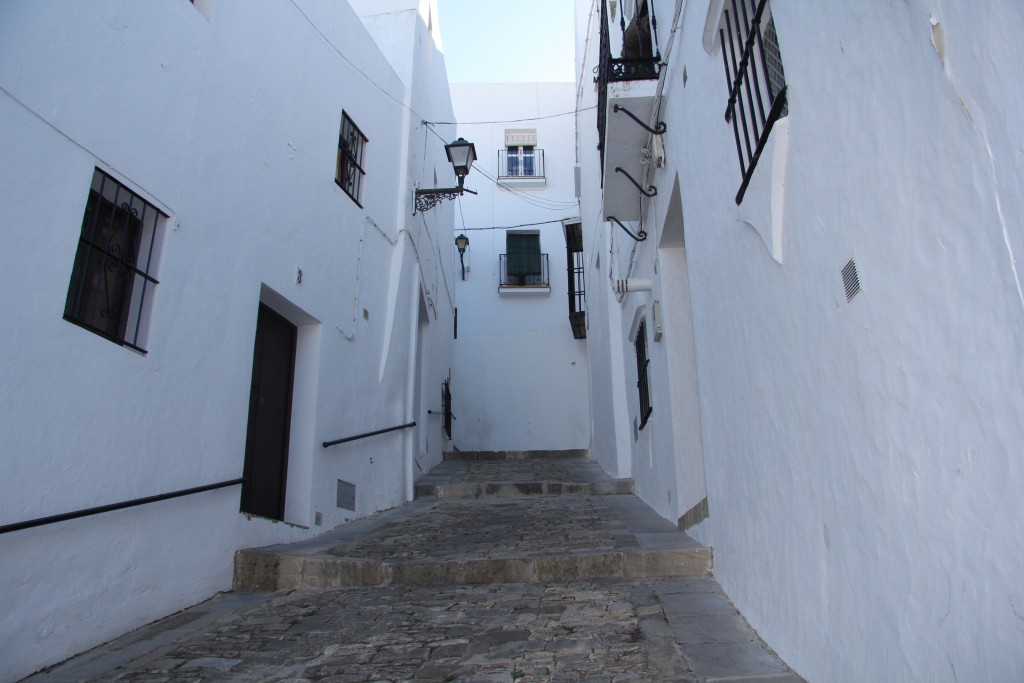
(523, 290)
(519, 182)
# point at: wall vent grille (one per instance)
(851, 280)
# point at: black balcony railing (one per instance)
(524, 270)
(525, 162)
(639, 59)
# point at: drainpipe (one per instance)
(410, 380)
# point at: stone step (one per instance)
(495, 489)
(516, 477)
(256, 570)
(449, 542)
(515, 455)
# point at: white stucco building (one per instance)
(245, 171)
(519, 374)
(829, 297)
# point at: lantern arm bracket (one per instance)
(428, 199)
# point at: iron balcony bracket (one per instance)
(649, 192)
(639, 236)
(428, 199)
(657, 130)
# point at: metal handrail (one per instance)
(53, 519)
(328, 444)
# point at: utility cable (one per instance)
(481, 123)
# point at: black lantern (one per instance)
(461, 242)
(462, 154)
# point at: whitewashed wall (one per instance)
(227, 119)
(861, 458)
(519, 379)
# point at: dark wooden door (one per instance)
(270, 402)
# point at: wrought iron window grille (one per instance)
(111, 277)
(351, 152)
(643, 381)
(757, 82)
(575, 262)
(446, 407)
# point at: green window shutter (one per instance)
(523, 254)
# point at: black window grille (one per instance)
(351, 150)
(112, 274)
(524, 265)
(757, 82)
(446, 406)
(643, 381)
(574, 269)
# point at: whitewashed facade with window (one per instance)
(834, 338)
(519, 375)
(216, 138)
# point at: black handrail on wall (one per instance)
(328, 444)
(53, 519)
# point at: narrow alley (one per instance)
(524, 568)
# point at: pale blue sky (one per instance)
(498, 41)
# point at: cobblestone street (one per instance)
(602, 621)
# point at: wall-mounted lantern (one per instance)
(461, 242)
(462, 154)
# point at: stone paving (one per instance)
(658, 628)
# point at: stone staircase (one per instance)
(490, 518)
(508, 568)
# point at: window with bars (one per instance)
(642, 380)
(446, 407)
(756, 80)
(351, 150)
(113, 271)
(574, 264)
(521, 162)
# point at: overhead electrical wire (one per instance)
(520, 225)
(533, 118)
(539, 202)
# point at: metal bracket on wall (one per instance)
(649, 192)
(659, 129)
(639, 236)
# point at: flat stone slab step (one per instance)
(514, 455)
(442, 542)
(510, 478)
(518, 489)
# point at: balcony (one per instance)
(522, 167)
(524, 275)
(627, 83)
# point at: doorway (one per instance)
(270, 403)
